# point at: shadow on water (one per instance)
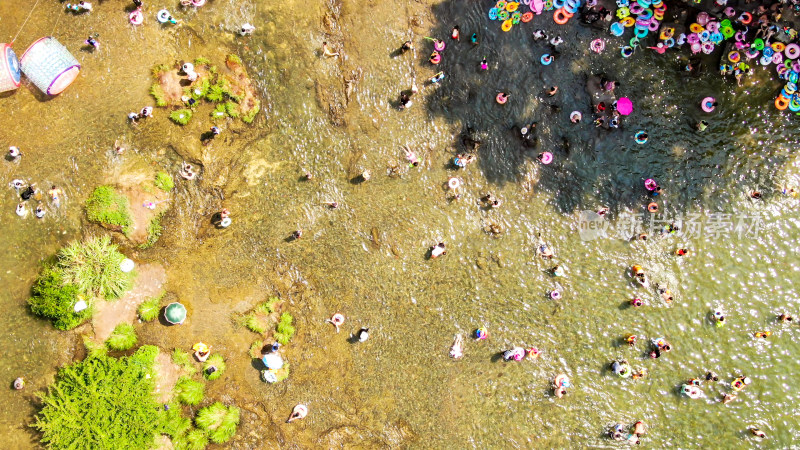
(596, 166)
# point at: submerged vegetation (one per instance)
(181, 116)
(218, 421)
(84, 270)
(164, 181)
(102, 402)
(154, 230)
(109, 208)
(122, 338)
(258, 320)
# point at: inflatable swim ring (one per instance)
(493, 14)
(623, 13)
(652, 208)
(707, 104)
(136, 17)
(708, 47)
(163, 16)
(546, 158)
(745, 18)
(712, 26)
(198, 3)
(617, 29)
(670, 43)
(758, 44)
(546, 59)
(765, 60)
(650, 184)
(512, 6)
(503, 15)
(516, 16)
(560, 16)
(527, 17)
(438, 45)
(598, 45)
(727, 32)
(436, 58)
(696, 28)
(626, 51)
(501, 5)
(792, 51)
(627, 22)
(778, 46)
(453, 183)
(734, 57)
(501, 98)
(507, 24)
(641, 137)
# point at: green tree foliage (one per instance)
(108, 207)
(188, 391)
(102, 403)
(122, 338)
(196, 440)
(218, 421)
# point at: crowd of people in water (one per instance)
(607, 113)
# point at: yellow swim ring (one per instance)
(627, 22)
(512, 6)
(506, 25)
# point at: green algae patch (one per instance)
(164, 181)
(284, 330)
(102, 402)
(181, 116)
(84, 271)
(110, 209)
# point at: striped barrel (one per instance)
(49, 65)
(9, 69)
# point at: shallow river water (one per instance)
(367, 260)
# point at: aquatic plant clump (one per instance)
(158, 94)
(173, 423)
(284, 331)
(181, 116)
(150, 308)
(93, 265)
(154, 230)
(184, 360)
(196, 440)
(110, 209)
(217, 362)
(122, 338)
(164, 181)
(102, 402)
(188, 391)
(218, 421)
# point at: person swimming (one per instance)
(55, 195)
(455, 33)
(438, 250)
(474, 38)
(411, 157)
(515, 354)
(484, 64)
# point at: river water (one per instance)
(366, 259)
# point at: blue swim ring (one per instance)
(644, 3)
(717, 37)
(794, 105)
(641, 137)
(617, 29)
(670, 42)
(705, 36)
(558, 4)
(792, 77)
(646, 14)
(626, 51)
(765, 60)
(623, 3)
(493, 14)
(640, 32)
(768, 51)
(546, 59)
(570, 9)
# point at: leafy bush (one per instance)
(218, 421)
(215, 94)
(184, 360)
(101, 403)
(188, 391)
(108, 207)
(122, 338)
(154, 230)
(145, 356)
(284, 330)
(181, 116)
(93, 266)
(54, 299)
(256, 323)
(219, 112)
(215, 360)
(149, 309)
(158, 94)
(231, 109)
(164, 181)
(200, 61)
